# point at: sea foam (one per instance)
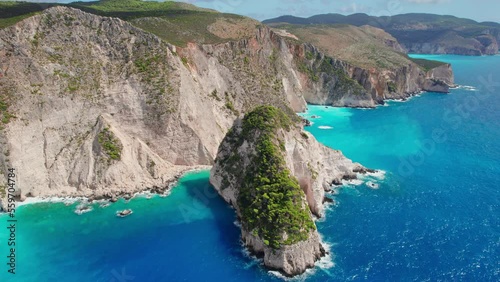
(379, 174)
(36, 200)
(467, 88)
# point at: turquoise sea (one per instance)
(435, 216)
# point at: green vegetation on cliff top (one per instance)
(427, 65)
(364, 47)
(174, 22)
(110, 144)
(13, 12)
(271, 201)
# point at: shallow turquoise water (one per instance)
(177, 238)
(434, 217)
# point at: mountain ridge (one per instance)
(418, 32)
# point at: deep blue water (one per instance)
(434, 217)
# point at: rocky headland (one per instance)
(275, 175)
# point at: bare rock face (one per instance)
(443, 73)
(489, 44)
(275, 175)
(316, 167)
(337, 83)
(290, 260)
(70, 75)
(67, 74)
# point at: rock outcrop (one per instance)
(341, 84)
(274, 174)
(359, 66)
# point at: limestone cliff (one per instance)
(360, 66)
(275, 175)
(439, 79)
(341, 84)
(68, 77)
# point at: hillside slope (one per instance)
(175, 22)
(365, 46)
(332, 82)
(420, 33)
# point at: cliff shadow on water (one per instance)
(205, 197)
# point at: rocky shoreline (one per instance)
(302, 256)
(302, 169)
(109, 197)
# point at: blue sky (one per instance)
(480, 10)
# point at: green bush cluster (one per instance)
(147, 64)
(230, 106)
(310, 72)
(327, 65)
(274, 56)
(391, 86)
(110, 144)
(5, 115)
(270, 198)
(214, 95)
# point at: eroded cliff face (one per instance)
(337, 83)
(315, 166)
(266, 167)
(67, 75)
(439, 79)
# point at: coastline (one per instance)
(395, 100)
(172, 181)
(385, 101)
(113, 197)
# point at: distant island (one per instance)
(418, 33)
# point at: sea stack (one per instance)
(275, 175)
